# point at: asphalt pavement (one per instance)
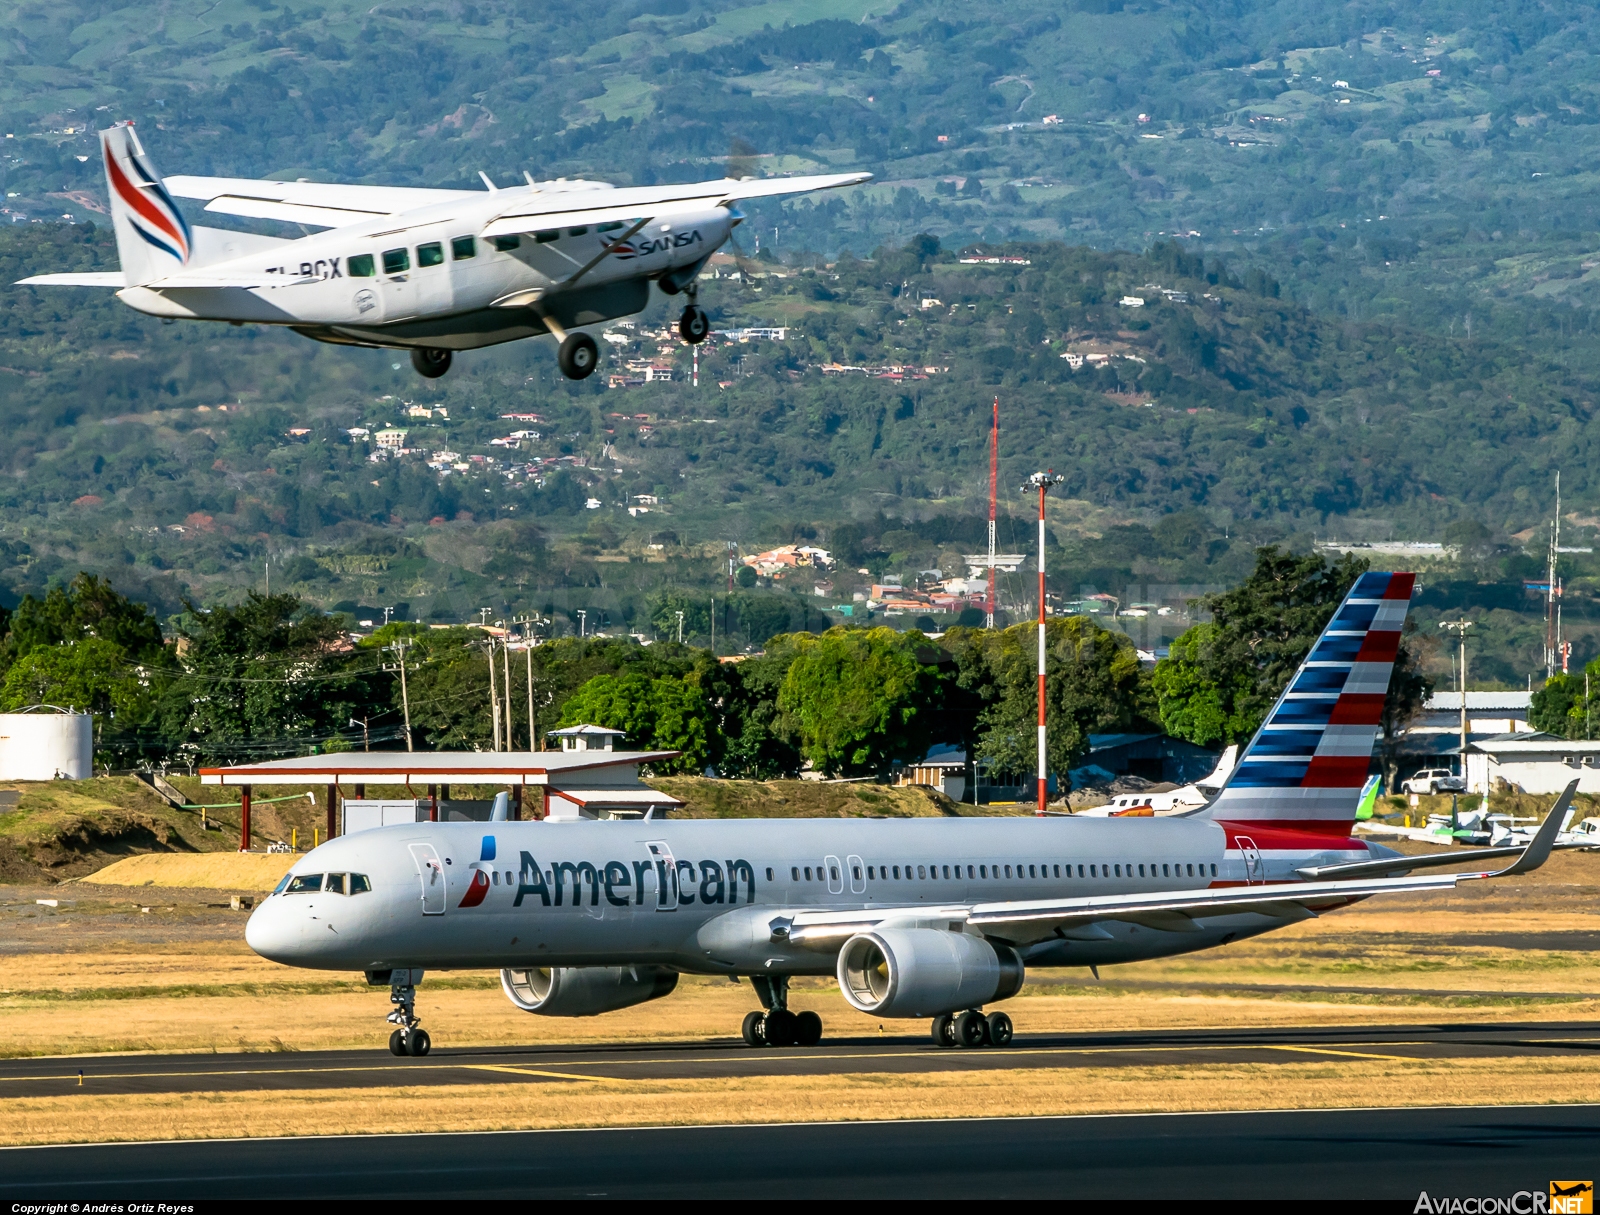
(1378, 1154)
(897, 1054)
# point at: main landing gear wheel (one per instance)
(779, 1029)
(430, 363)
(694, 326)
(972, 1029)
(578, 356)
(397, 1042)
(418, 1043)
(807, 1029)
(754, 1031)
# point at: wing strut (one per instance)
(606, 252)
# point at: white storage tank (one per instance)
(46, 743)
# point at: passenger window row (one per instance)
(398, 261)
(1031, 872)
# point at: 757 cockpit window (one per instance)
(334, 884)
(304, 883)
(360, 883)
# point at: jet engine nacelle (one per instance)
(923, 972)
(585, 991)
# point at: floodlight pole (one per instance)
(1459, 628)
(1043, 482)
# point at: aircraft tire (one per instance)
(752, 1030)
(779, 1027)
(941, 1030)
(694, 326)
(807, 1028)
(397, 1042)
(418, 1043)
(578, 356)
(430, 364)
(971, 1029)
(1000, 1031)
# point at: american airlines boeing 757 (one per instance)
(915, 918)
(429, 271)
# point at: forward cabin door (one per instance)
(835, 874)
(856, 869)
(431, 872)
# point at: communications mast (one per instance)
(994, 479)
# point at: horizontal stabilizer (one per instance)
(111, 278)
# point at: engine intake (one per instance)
(585, 991)
(923, 972)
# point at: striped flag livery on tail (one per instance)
(153, 238)
(1305, 768)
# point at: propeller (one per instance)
(742, 157)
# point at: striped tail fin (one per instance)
(153, 238)
(1305, 768)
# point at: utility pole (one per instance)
(680, 628)
(366, 741)
(494, 699)
(713, 626)
(583, 623)
(527, 623)
(400, 645)
(1459, 628)
(505, 656)
(1552, 592)
(1043, 482)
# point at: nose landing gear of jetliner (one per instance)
(430, 363)
(409, 1038)
(971, 1029)
(777, 1026)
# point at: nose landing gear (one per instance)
(778, 1026)
(694, 326)
(409, 1038)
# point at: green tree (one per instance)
(757, 740)
(1559, 707)
(270, 676)
(660, 714)
(862, 699)
(1219, 680)
(90, 676)
(87, 607)
(1093, 684)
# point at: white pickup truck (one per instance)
(1434, 780)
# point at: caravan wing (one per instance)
(307, 202)
(540, 209)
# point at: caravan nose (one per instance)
(275, 931)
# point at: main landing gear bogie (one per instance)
(776, 1024)
(972, 1029)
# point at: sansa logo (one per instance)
(1571, 1198)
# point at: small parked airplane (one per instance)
(916, 918)
(1174, 801)
(432, 271)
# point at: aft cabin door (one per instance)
(431, 872)
(1251, 856)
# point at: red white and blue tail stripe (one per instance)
(1305, 767)
(150, 228)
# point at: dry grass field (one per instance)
(100, 973)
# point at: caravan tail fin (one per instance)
(1306, 767)
(153, 238)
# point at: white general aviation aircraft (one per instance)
(916, 917)
(430, 271)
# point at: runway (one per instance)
(723, 1058)
(1346, 1155)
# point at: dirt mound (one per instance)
(203, 871)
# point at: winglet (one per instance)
(1538, 851)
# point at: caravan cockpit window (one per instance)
(304, 883)
(507, 243)
(463, 247)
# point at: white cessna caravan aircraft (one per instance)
(431, 271)
(916, 917)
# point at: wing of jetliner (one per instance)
(1032, 920)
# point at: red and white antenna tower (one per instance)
(994, 479)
